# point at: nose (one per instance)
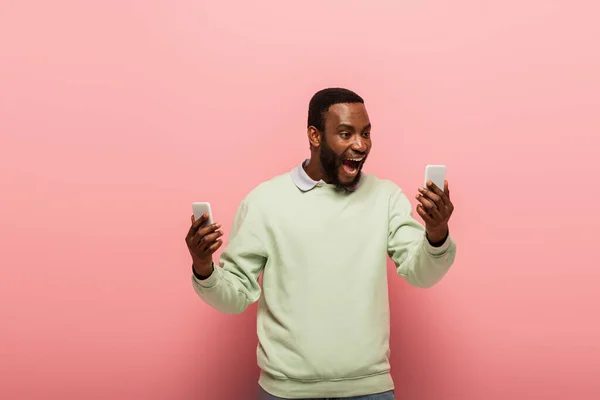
(359, 144)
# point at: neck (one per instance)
(313, 169)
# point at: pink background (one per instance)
(115, 116)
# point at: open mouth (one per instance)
(351, 165)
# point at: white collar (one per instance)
(301, 178)
(305, 182)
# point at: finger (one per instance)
(209, 240)
(430, 208)
(435, 189)
(436, 215)
(426, 217)
(196, 224)
(202, 233)
(430, 195)
(215, 246)
(427, 204)
(446, 190)
(207, 230)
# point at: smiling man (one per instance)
(340, 140)
(320, 235)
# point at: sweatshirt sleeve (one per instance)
(234, 285)
(421, 264)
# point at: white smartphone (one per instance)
(436, 174)
(200, 208)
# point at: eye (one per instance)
(367, 134)
(345, 135)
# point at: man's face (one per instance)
(345, 143)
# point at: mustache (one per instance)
(354, 154)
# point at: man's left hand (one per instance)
(435, 208)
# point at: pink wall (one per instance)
(115, 116)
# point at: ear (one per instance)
(314, 136)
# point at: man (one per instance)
(320, 235)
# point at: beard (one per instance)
(331, 163)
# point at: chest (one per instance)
(342, 227)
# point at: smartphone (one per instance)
(200, 208)
(436, 174)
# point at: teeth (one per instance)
(354, 159)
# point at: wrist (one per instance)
(202, 268)
(438, 236)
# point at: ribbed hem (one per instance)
(293, 389)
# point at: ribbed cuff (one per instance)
(436, 251)
(211, 280)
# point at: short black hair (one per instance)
(325, 98)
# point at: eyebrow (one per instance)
(350, 127)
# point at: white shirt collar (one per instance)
(301, 178)
(305, 182)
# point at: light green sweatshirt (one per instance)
(323, 316)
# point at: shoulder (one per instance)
(378, 185)
(387, 191)
(269, 189)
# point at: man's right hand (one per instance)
(202, 242)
